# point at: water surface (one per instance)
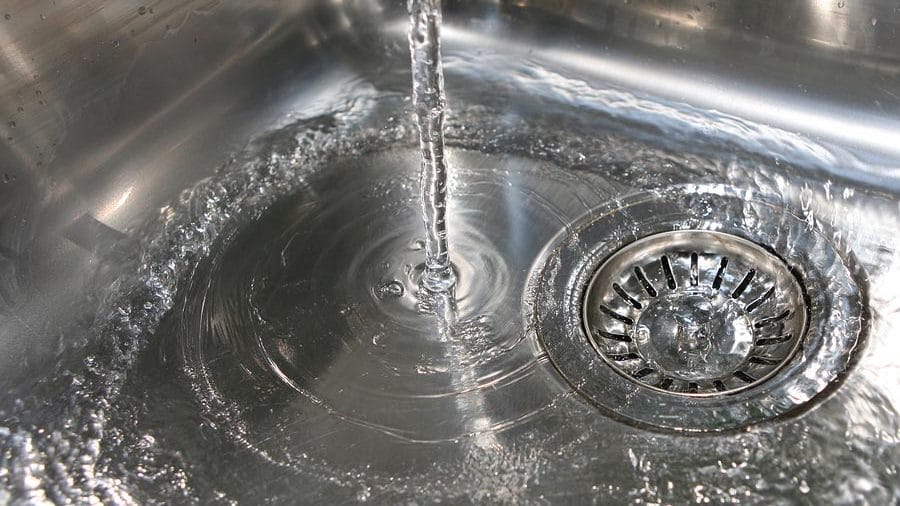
(271, 344)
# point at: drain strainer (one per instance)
(699, 308)
(695, 312)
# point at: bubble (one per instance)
(391, 289)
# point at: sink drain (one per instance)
(700, 308)
(695, 312)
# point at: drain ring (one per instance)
(808, 351)
(695, 312)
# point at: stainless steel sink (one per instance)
(166, 165)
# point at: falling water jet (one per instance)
(429, 102)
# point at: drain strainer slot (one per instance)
(699, 308)
(695, 313)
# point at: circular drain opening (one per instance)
(699, 308)
(695, 313)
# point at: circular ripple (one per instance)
(310, 313)
(660, 354)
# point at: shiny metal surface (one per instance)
(111, 111)
(807, 332)
(695, 312)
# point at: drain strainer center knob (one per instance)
(694, 335)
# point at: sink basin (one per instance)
(210, 243)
